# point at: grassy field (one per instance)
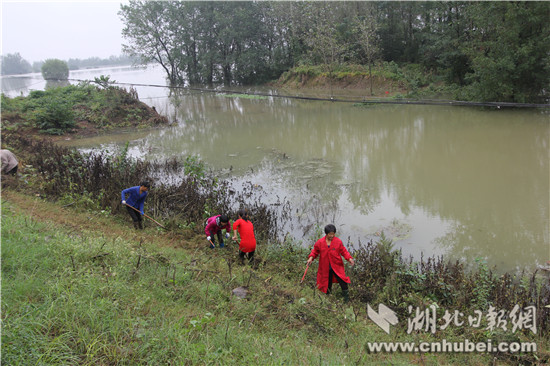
(80, 288)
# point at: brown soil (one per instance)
(355, 85)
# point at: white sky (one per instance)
(40, 30)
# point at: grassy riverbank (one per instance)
(80, 286)
(383, 80)
(77, 110)
(74, 293)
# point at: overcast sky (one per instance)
(39, 30)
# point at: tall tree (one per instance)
(365, 28)
(152, 31)
(324, 37)
(445, 38)
(509, 51)
(399, 25)
(494, 50)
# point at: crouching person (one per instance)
(214, 227)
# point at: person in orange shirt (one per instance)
(247, 245)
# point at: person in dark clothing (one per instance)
(135, 201)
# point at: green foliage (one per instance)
(53, 115)
(55, 110)
(91, 299)
(198, 324)
(386, 251)
(104, 81)
(482, 291)
(290, 254)
(193, 166)
(87, 302)
(509, 62)
(54, 69)
(10, 104)
(491, 51)
(83, 200)
(94, 62)
(52, 110)
(122, 161)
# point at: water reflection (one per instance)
(463, 182)
(21, 85)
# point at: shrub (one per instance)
(54, 69)
(54, 116)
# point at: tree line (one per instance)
(492, 51)
(15, 64)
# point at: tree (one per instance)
(152, 33)
(493, 50)
(242, 50)
(365, 26)
(509, 51)
(323, 37)
(54, 69)
(203, 42)
(445, 38)
(399, 25)
(37, 66)
(13, 64)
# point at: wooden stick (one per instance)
(156, 222)
(304, 273)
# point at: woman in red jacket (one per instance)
(330, 250)
(244, 226)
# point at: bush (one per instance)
(54, 69)
(54, 115)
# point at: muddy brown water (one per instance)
(467, 183)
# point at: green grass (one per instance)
(80, 299)
(56, 111)
(77, 297)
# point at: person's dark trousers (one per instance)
(249, 256)
(136, 217)
(13, 171)
(220, 239)
(343, 284)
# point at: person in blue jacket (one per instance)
(136, 199)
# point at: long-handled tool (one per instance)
(155, 221)
(304, 276)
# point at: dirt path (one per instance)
(73, 219)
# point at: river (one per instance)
(463, 182)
